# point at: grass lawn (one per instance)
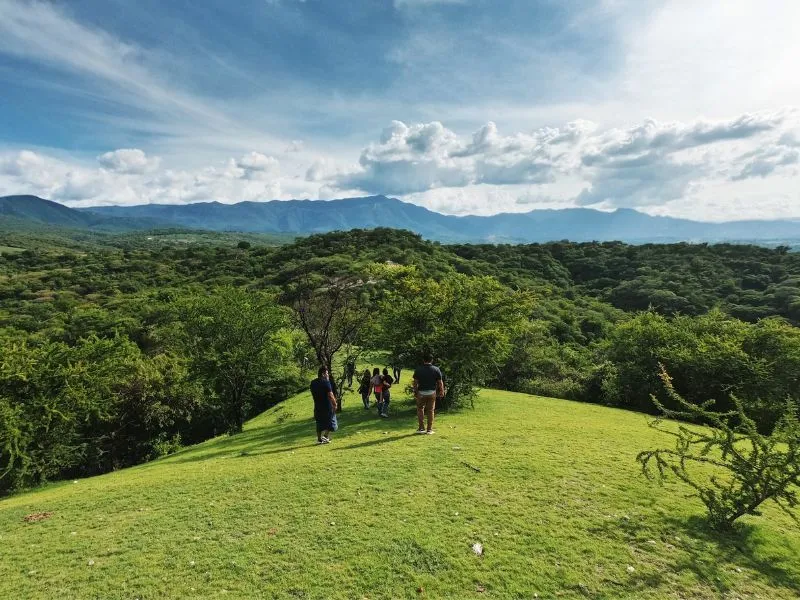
(10, 250)
(550, 489)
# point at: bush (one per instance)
(747, 468)
(709, 357)
(467, 323)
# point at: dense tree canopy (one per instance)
(118, 348)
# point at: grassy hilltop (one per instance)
(548, 487)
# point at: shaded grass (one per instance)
(559, 506)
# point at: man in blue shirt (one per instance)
(324, 406)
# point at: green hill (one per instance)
(550, 489)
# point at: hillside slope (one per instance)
(27, 211)
(576, 224)
(549, 487)
(302, 217)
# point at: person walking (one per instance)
(386, 382)
(350, 371)
(377, 387)
(364, 388)
(428, 385)
(324, 406)
(396, 372)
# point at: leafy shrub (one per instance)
(748, 468)
(709, 357)
(467, 323)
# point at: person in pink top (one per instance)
(377, 387)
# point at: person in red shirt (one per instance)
(377, 387)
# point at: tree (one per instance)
(466, 322)
(747, 467)
(232, 337)
(332, 312)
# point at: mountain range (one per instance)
(314, 216)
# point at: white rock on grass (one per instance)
(630, 569)
(477, 548)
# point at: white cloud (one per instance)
(255, 162)
(128, 160)
(642, 165)
(123, 179)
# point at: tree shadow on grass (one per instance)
(707, 553)
(740, 547)
(284, 433)
(381, 440)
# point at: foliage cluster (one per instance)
(227, 328)
(733, 468)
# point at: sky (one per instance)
(680, 108)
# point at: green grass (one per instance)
(11, 250)
(558, 505)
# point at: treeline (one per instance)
(117, 354)
(172, 371)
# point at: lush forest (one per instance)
(120, 348)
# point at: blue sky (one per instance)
(463, 106)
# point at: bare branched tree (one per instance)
(332, 312)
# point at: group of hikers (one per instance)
(427, 383)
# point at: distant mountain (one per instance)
(34, 210)
(315, 216)
(577, 224)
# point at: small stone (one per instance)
(738, 569)
(477, 548)
(191, 563)
(91, 562)
(455, 513)
(333, 523)
(630, 569)
(73, 533)
(75, 481)
(651, 542)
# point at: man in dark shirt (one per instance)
(427, 386)
(324, 406)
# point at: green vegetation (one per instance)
(743, 468)
(554, 319)
(121, 349)
(548, 487)
(468, 322)
(10, 250)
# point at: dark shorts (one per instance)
(326, 422)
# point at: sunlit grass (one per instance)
(549, 488)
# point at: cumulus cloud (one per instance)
(255, 165)
(642, 165)
(129, 177)
(128, 160)
(419, 157)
